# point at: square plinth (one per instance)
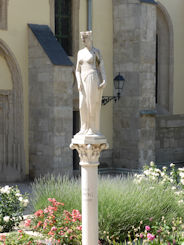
(89, 139)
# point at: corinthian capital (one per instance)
(89, 153)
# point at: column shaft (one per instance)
(89, 205)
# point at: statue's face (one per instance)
(86, 40)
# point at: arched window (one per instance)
(3, 14)
(164, 61)
(63, 24)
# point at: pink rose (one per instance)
(141, 235)
(2, 237)
(150, 237)
(79, 228)
(69, 231)
(147, 228)
(53, 228)
(27, 222)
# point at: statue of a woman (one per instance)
(91, 81)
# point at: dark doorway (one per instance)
(156, 72)
(76, 128)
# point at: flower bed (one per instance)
(57, 223)
(145, 209)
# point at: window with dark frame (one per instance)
(3, 14)
(63, 24)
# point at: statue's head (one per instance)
(86, 37)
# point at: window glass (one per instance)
(63, 24)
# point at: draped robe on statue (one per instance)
(91, 68)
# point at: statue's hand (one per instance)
(103, 84)
(80, 87)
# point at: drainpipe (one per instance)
(89, 25)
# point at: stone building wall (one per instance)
(134, 57)
(50, 113)
(169, 138)
(106, 158)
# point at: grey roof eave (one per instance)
(51, 46)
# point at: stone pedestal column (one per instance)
(89, 149)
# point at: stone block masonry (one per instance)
(134, 56)
(50, 113)
(169, 139)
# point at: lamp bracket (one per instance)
(107, 99)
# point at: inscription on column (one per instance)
(87, 194)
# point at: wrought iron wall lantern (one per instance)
(118, 84)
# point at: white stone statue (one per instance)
(91, 81)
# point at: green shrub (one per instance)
(123, 203)
(12, 205)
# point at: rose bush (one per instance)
(12, 205)
(61, 226)
(172, 177)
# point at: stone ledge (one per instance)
(170, 121)
(148, 1)
(148, 112)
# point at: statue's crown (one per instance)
(86, 34)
